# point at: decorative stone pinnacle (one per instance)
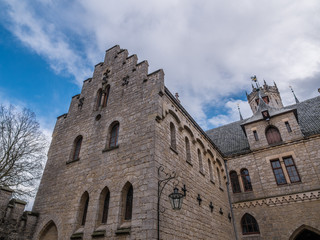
(177, 97)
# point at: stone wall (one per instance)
(194, 220)
(133, 103)
(15, 223)
(277, 207)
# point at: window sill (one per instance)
(71, 161)
(202, 173)
(221, 189)
(110, 149)
(76, 236)
(123, 230)
(174, 150)
(98, 233)
(288, 184)
(212, 182)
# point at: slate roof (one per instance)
(230, 138)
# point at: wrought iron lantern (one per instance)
(176, 199)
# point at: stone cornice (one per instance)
(280, 200)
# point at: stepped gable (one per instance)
(231, 139)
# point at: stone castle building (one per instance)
(126, 142)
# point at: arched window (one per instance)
(200, 161)
(235, 182)
(104, 206)
(210, 170)
(273, 135)
(99, 97)
(127, 202)
(128, 211)
(114, 132)
(246, 180)
(106, 96)
(173, 136)
(76, 148)
(84, 203)
(188, 153)
(249, 225)
(219, 177)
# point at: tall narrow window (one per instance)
(106, 96)
(99, 97)
(105, 208)
(255, 134)
(291, 169)
(188, 154)
(84, 203)
(273, 135)
(288, 127)
(200, 161)
(278, 173)
(246, 180)
(128, 209)
(210, 170)
(219, 177)
(235, 182)
(114, 136)
(173, 136)
(76, 148)
(84, 216)
(249, 225)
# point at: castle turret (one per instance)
(269, 94)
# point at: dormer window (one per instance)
(265, 115)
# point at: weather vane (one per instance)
(254, 78)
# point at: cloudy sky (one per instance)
(208, 50)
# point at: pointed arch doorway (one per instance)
(305, 232)
(49, 232)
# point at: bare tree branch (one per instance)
(22, 150)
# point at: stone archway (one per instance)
(305, 232)
(49, 232)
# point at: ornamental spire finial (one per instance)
(241, 118)
(295, 97)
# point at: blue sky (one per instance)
(208, 50)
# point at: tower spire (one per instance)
(241, 118)
(295, 97)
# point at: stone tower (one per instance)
(270, 95)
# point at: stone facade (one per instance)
(15, 223)
(125, 132)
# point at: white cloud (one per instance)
(208, 49)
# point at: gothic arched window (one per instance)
(219, 177)
(235, 182)
(84, 203)
(200, 161)
(99, 97)
(128, 209)
(114, 132)
(106, 96)
(246, 180)
(210, 170)
(249, 225)
(273, 135)
(104, 205)
(173, 136)
(188, 153)
(76, 148)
